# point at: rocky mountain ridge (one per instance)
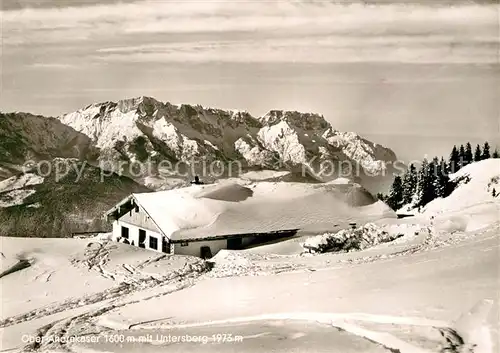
(140, 128)
(54, 179)
(144, 129)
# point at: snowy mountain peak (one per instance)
(136, 129)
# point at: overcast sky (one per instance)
(395, 72)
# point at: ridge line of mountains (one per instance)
(144, 129)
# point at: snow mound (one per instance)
(184, 210)
(471, 206)
(473, 328)
(469, 219)
(452, 224)
(231, 263)
(231, 208)
(230, 193)
(377, 209)
(340, 181)
(288, 246)
(104, 236)
(230, 257)
(476, 182)
(361, 238)
(264, 214)
(264, 175)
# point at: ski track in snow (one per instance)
(96, 257)
(95, 260)
(61, 328)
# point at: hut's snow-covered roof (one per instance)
(206, 211)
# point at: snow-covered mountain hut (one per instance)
(200, 220)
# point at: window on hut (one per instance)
(125, 232)
(142, 238)
(153, 243)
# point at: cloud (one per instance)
(55, 66)
(172, 16)
(325, 49)
(275, 31)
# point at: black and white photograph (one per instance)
(240, 176)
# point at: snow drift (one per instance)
(476, 183)
(37, 271)
(471, 206)
(230, 208)
(474, 203)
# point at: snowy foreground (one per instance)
(98, 296)
(427, 283)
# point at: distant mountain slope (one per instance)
(33, 202)
(34, 205)
(26, 136)
(141, 128)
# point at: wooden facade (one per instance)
(138, 217)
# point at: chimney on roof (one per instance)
(197, 181)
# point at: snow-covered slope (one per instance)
(143, 127)
(476, 185)
(406, 301)
(403, 297)
(264, 175)
(98, 270)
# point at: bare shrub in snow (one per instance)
(492, 183)
(350, 239)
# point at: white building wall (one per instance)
(193, 248)
(189, 248)
(134, 234)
